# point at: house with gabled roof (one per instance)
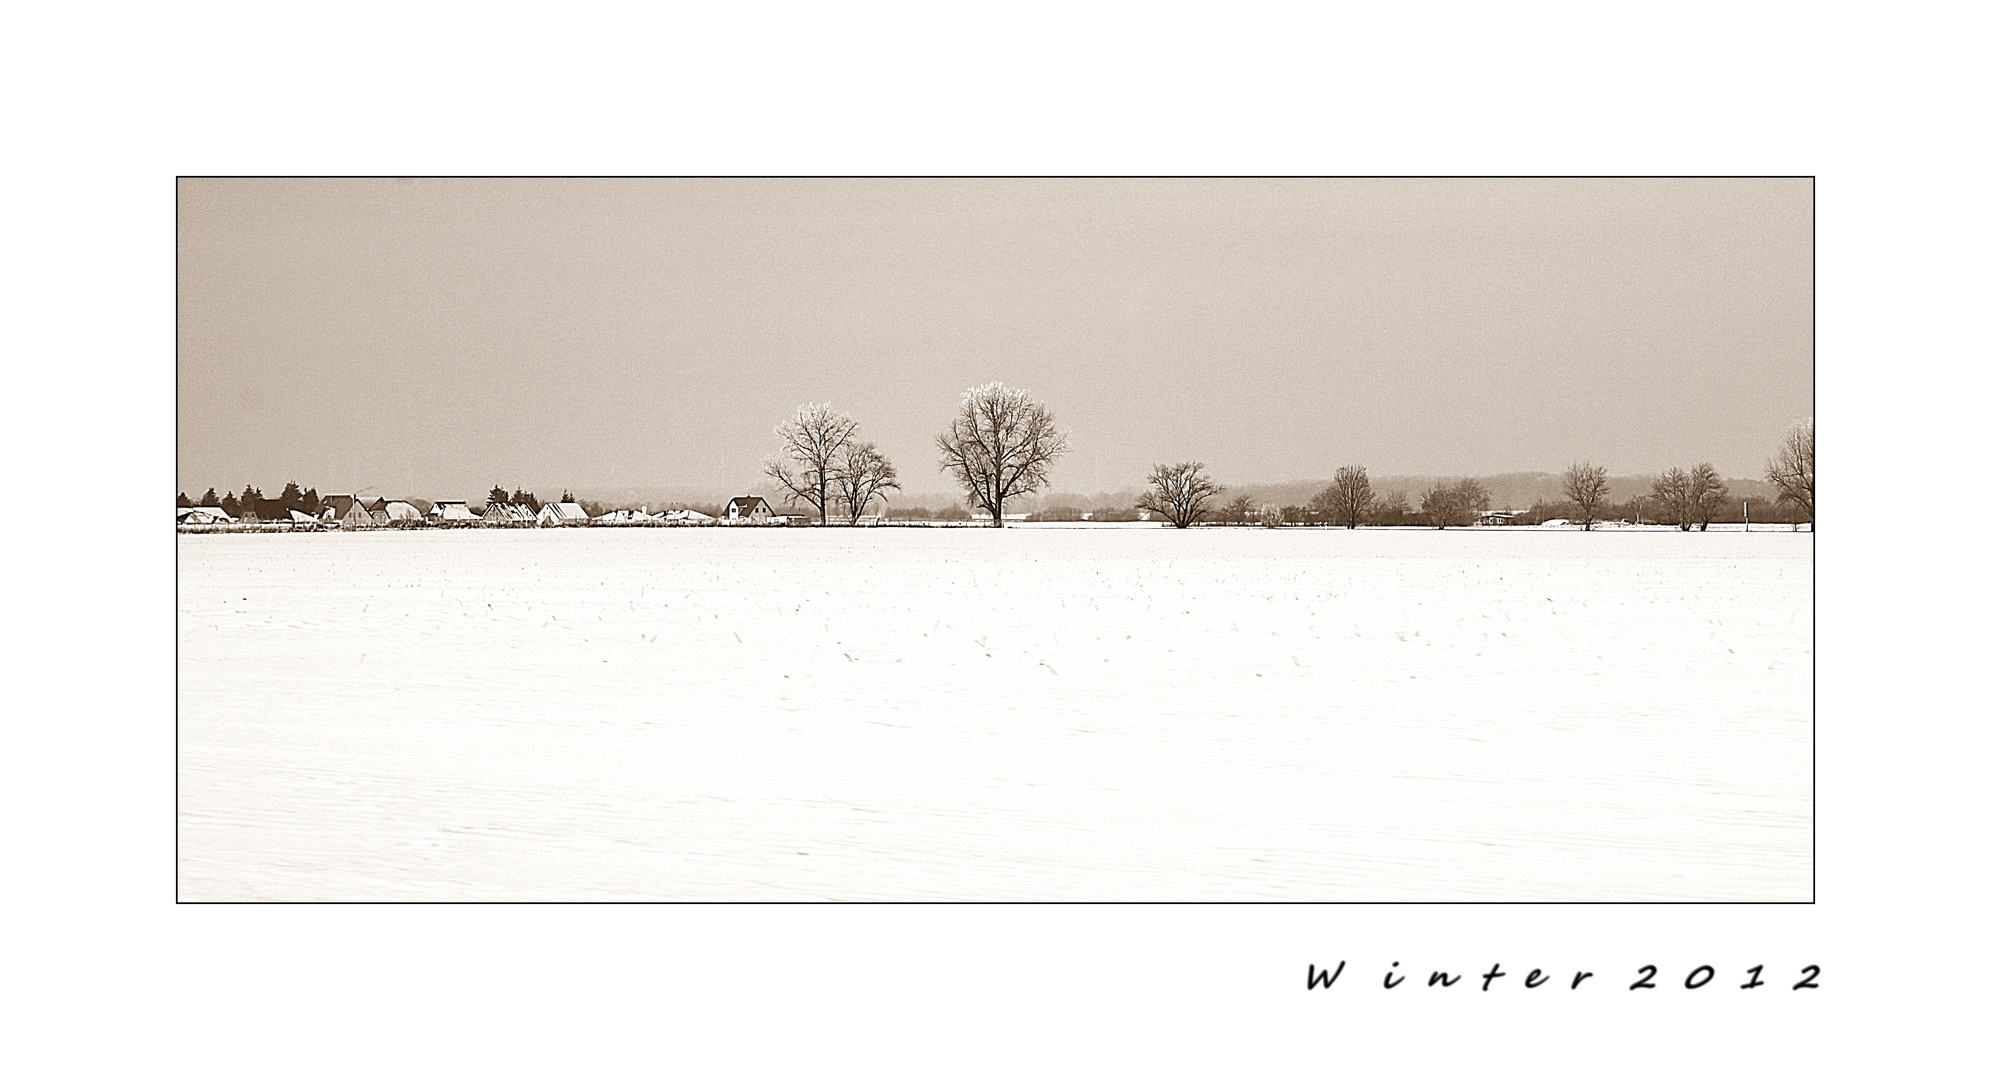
(344, 511)
(562, 513)
(202, 515)
(748, 510)
(449, 510)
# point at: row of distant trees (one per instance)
(291, 498)
(1693, 498)
(1689, 498)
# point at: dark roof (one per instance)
(270, 510)
(747, 503)
(340, 504)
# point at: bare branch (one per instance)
(1180, 493)
(1000, 446)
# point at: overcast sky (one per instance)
(433, 337)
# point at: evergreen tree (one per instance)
(311, 503)
(499, 495)
(292, 497)
(210, 499)
(184, 501)
(231, 505)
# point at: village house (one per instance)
(562, 513)
(748, 510)
(345, 512)
(202, 515)
(398, 510)
(450, 510)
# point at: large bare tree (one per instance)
(1707, 494)
(1792, 469)
(1000, 446)
(862, 474)
(812, 442)
(1348, 499)
(1180, 493)
(1586, 485)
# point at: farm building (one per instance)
(451, 510)
(748, 510)
(398, 510)
(345, 512)
(562, 513)
(203, 515)
(687, 517)
(508, 514)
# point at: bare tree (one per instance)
(1271, 516)
(1586, 485)
(1438, 505)
(1001, 445)
(1470, 497)
(807, 467)
(1669, 490)
(1792, 469)
(1180, 493)
(1349, 498)
(1706, 494)
(862, 474)
(1238, 510)
(1454, 504)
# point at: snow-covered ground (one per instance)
(1105, 713)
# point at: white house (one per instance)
(401, 510)
(562, 513)
(451, 510)
(748, 510)
(202, 515)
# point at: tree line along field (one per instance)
(1037, 714)
(1002, 446)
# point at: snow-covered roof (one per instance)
(210, 513)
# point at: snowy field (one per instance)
(1050, 713)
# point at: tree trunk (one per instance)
(998, 510)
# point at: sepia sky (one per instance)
(432, 337)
